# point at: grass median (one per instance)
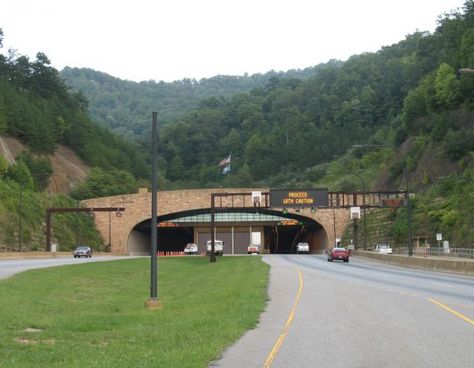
(93, 315)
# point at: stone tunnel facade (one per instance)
(116, 230)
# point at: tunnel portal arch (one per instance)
(276, 231)
(120, 231)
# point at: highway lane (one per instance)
(10, 267)
(360, 314)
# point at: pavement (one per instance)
(12, 266)
(361, 314)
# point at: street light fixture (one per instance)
(407, 193)
(118, 214)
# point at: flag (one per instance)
(225, 161)
(225, 164)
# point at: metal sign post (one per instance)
(153, 302)
(212, 256)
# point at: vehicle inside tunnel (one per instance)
(273, 231)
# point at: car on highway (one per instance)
(253, 249)
(383, 248)
(341, 254)
(302, 248)
(191, 248)
(82, 251)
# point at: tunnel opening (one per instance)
(275, 232)
(172, 239)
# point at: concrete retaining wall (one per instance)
(457, 265)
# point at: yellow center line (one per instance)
(468, 320)
(282, 336)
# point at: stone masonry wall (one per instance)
(138, 208)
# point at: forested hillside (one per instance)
(285, 128)
(124, 106)
(289, 127)
(294, 129)
(416, 95)
(37, 108)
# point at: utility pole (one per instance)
(212, 258)
(407, 189)
(20, 220)
(153, 302)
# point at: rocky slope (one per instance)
(68, 169)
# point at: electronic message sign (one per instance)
(298, 198)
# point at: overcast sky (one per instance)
(175, 39)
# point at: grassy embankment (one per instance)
(93, 315)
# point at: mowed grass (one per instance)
(93, 315)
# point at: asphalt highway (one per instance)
(356, 314)
(359, 314)
(10, 267)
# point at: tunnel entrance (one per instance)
(274, 231)
(283, 239)
(172, 239)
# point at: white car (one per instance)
(191, 248)
(383, 248)
(253, 249)
(302, 248)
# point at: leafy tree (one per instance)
(40, 169)
(176, 168)
(3, 167)
(102, 183)
(447, 86)
(19, 173)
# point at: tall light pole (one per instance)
(407, 189)
(153, 302)
(364, 187)
(20, 219)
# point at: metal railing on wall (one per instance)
(438, 252)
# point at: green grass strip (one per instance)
(93, 315)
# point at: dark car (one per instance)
(81, 251)
(341, 254)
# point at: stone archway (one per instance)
(138, 210)
(277, 232)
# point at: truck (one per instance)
(218, 247)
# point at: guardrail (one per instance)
(438, 252)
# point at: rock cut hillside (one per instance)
(68, 169)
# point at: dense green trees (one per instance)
(125, 107)
(102, 183)
(37, 108)
(283, 129)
